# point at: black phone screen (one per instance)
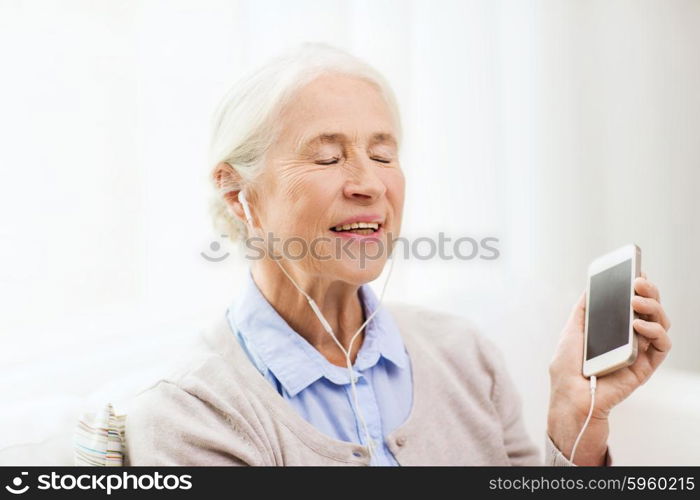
(609, 314)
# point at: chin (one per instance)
(356, 273)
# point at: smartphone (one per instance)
(610, 341)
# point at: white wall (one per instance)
(563, 128)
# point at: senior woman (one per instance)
(306, 150)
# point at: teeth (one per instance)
(358, 225)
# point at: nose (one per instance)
(363, 183)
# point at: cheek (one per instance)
(395, 190)
(304, 200)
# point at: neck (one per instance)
(338, 301)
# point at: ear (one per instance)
(227, 179)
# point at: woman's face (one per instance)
(334, 164)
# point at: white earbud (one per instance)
(246, 208)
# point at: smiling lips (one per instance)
(359, 226)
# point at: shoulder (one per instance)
(424, 317)
(448, 337)
(210, 370)
(454, 355)
(193, 415)
(212, 364)
(168, 425)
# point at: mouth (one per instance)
(360, 226)
(363, 228)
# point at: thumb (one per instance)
(578, 312)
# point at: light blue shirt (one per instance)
(319, 390)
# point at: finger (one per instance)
(647, 361)
(645, 364)
(655, 333)
(643, 343)
(651, 309)
(578, 312)
(644, 275)
(646, 288)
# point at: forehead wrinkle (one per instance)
(304, 143)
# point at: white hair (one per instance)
(243, 125)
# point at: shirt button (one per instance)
(358, 453)
(400, 441)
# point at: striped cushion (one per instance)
(99, 439)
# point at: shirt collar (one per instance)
(290, 357)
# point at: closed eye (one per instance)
(335, 159)
(329, 161)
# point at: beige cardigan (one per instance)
(218, 410)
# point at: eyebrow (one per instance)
(335, 137)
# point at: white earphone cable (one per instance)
(327, 327)
(593, 381)
(346, 352)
